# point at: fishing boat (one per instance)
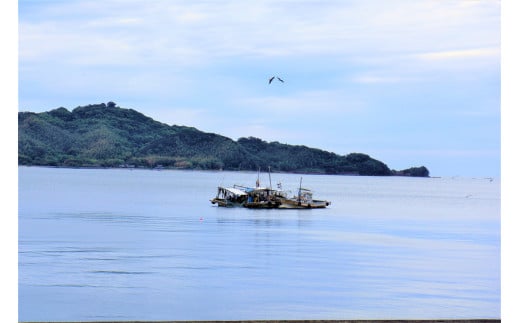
(264, 198)
(229, 197)
(303, 200)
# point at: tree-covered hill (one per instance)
(105, 135)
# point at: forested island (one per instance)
(105, 135)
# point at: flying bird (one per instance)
(272, 78)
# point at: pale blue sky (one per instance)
(410, 83)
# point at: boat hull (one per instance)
(295, 204)
(226, 203)
(262, 205)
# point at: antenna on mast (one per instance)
(300, 193)
(270, 186)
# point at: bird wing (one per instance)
(271, 79)
(279, 79)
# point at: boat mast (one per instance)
(300, 192)
(270, 186)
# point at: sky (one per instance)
(410, 83)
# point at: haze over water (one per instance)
(117, 244)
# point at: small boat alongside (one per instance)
(303, 200)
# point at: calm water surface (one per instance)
(104, 244)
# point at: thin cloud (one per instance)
(461, 54)
(422, 67)
(258, 29)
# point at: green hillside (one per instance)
(104, 135)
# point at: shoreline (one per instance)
(486, 177)
(218, 170)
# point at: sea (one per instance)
(140, 244)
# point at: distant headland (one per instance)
(105, 135)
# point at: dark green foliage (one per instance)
(288, 158)
(104, 135)
(413, 171)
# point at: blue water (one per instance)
(123, 244)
